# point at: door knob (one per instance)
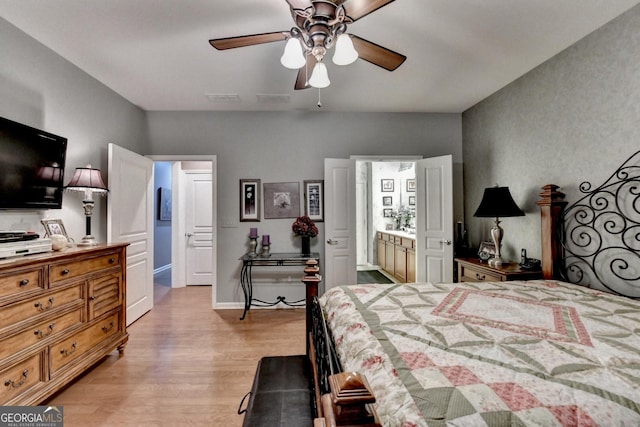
(445, 241)
(332, 242)
(188, 234)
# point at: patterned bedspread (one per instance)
(536, 353)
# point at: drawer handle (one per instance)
(24, 282)
(65, 272)
(41, 334)
(112, 260)
(66, 352)
(13, 384)
(42, 307)
(92, 298)
(479, 277)
(106, 329)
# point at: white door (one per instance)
(130, 219)
(340, 222)
(199, 227)
(434, 225)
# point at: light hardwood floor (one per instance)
(185, 364)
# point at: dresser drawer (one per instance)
(64, 271)
(470, 274)
(79, 344)
(20, 378)
(18, 282)
(43, 330)
(51, 301)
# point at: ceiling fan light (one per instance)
(293, 57)
(344, 53)
(320, 76)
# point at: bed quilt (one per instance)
(535, 353)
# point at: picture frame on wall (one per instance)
(412, 200)
(281, 200)
(314, 199)
(249, 200)
(411, 185)
(387, 212)
(164, 204)
(386, 185)
(54, 226)
(387, 201)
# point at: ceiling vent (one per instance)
(222, 97)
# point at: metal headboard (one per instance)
(601, 238)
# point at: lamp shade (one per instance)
(497, 202)
(344, 53)
(293, 57)
(320, 76)
(87, 179)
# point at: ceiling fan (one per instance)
(319, 26)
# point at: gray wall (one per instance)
(43, 90)
(573, 118)
(288, 147)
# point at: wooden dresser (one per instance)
(60, 313)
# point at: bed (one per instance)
(562, 351)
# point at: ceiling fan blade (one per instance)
(250, 40)
(376, 54)
(356, 9)
(304, 73)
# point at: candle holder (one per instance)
(266, 250)
(253, 244)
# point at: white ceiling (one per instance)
(156, 54)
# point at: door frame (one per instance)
(178, 247)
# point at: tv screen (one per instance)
(31, 167)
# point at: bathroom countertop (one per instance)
(399, 233)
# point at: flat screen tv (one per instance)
(31, 167)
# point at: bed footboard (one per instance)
(341, 398)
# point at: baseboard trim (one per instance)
(162, 269)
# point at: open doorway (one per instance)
(185, 221)
(385, 211)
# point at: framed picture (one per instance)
(387, 212)
(281, 200)
(486, 250)
(387, 185)
(249, 200)
(411, 185)
(387, 201)
(164, 204)
(54, 226)
(314, 200)
(412, 200)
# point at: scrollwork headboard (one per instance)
(600, 233)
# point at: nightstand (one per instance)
(474, 270)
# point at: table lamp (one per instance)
(497, 202)
(89, 181)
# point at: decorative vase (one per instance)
(306, 245)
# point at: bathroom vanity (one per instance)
(397, 254)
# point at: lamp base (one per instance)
(87, 241)
(496, 262)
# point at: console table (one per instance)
(273, 260)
